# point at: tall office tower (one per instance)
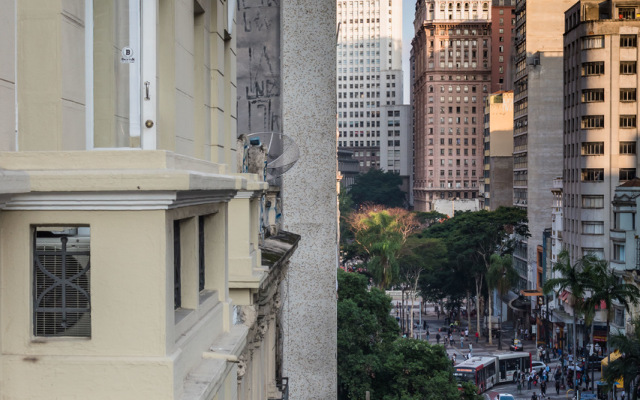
(503, 21)
(600, 114)
(452, 77)
(369, 84)
(497, 185)
(537, 140)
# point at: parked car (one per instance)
(505, 397)
(516, 345)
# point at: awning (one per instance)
(529, 293)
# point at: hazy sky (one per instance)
(408, 12)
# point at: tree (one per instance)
(607, 288)
(378, 187)
(573, 278)
(628, 365)
(381, 233)
(366, 331)
(500, 276)
(472, 237)
(418, 256)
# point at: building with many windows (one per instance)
(537, 136)
(503, 22)
(452, 58)
(369, 85)
(600, 121)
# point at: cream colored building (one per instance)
(135, 259)
(497, 188)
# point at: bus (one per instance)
(481, 371)
(487, 371)
(510, 363)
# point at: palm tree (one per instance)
(606, 289)
(573, 278)
(628, 365)
(501, 276)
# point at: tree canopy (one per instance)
(378, 187)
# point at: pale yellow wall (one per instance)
(7, 75)
(501, 126)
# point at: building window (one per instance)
(627, 147)
(627, 174)
(592, 148)
(592, 201)
(593, 68)
(596, 252)
(201, 253)
(627, 67)
(593, 42)
(627, 121)
(618, 252)
(628, 95)
(592, 95)
(177, 266)
(627, 13)
(592, 174)
(628, 41)
(592, 121)
(592, 227)
(61, 281)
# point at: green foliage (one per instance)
(628, 365)
(371, 356)
(378, 187)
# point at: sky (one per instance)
(408, 12)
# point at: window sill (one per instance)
(185, 319)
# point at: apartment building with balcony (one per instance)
(137, 257)
(600, 120)
(537, 137)
(451, 46)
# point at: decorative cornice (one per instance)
(114, 201)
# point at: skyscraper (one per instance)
(452, 77)
(371, 119)
(600, 123)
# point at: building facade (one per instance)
(145, 259)
(537, 120)
(369, 78)
(600, 114)
(497, 187)
(452, 49)
(503, 22)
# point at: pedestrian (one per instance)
(427, 335)
(543, 388)
(461, 341)
(470, 348)
(477, 336)
(466, 332)
(437, 338)
(451, 341)
(534, 396)
(529, 382)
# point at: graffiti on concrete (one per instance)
(258, 45)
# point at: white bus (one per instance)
(487, 371)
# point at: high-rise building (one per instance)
(537, 137)
(371, 121)
(503, 22)
(497, 185)
(600, 122)
(451, 47)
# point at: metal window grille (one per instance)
(61, 285)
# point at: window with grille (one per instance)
(592, 201)
(592, 95)
(628, 95)
(592, 227)
(592, 148)
(628, 67)
(627, 13)
(627, 121)
(177, 266)
(627, 174)
(61, 281)
(592, 42)
(627, 147)
(628, 41)
(592, 121)
(593, 68)
(592, 174)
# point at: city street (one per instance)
(482, 347)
